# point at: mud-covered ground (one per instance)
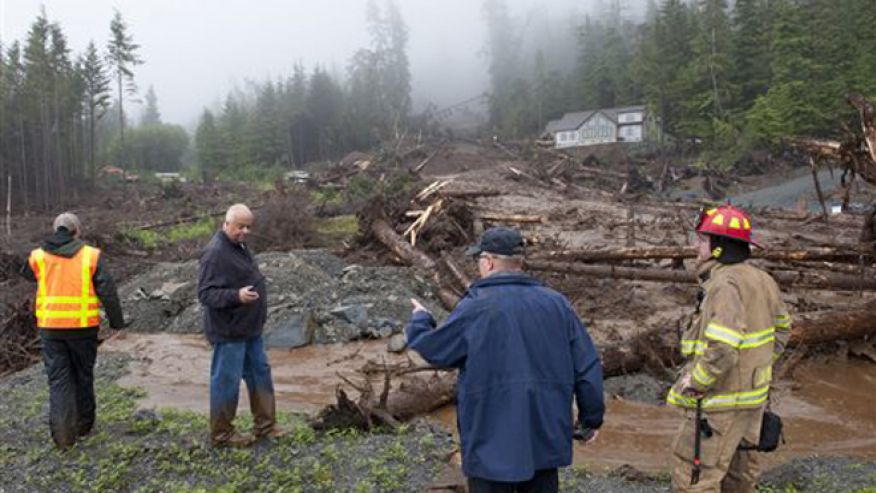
(166, 450)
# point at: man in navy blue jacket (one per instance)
(232, 292)
(522, 353)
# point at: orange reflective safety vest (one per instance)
(65, 297)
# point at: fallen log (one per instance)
(425, 162)
(600, 172)
(685, 252)
(800, 279)
(448, 298)
(825, 326)
(658, 347)
(467, 194)
(416, 396)
(458, 274)
(392, 240)
(512, 218)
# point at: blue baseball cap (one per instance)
(499, 240)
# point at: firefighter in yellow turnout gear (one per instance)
(740, 329)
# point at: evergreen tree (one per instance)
(325, 106)
(707, 76)
(151, 115)
(231, 148)
(295, 115)
(364, 107)
(503, 50)
(862, 75)
(122, 58)
(790, 106)
(96, 98)
(752, 57)
(265, 133)
(673, 36)
(396, 77)
(38, 100)
(207, 147)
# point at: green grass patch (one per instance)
(192, 231)
(168, 450)
(338, 228)
(151, 239)
(327, 196)
(262, 176)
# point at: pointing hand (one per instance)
(418, 307)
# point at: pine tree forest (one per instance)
(724, 77)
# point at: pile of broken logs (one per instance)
(856, 154)
(406, 392)
(19, 341)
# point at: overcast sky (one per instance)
(195, 51)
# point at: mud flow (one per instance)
(828, 407)
(174, 370)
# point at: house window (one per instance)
(629, 117)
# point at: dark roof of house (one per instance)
(572, 121)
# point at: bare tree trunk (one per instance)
(386, 235)
(92, 165)
(818, 188)
(121, 118)
(718, 110)
(47, 156)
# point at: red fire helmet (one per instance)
(728, 221)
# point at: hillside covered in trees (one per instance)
(315, 115)
(723, 78)
(63, 115)
(732, 75)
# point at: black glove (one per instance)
(583, 433)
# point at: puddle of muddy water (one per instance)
(829, 408)
(174, 370)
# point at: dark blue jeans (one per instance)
(233, 361)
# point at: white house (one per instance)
(584, 128)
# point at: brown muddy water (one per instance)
(829, 408)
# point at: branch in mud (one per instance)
(414, 395)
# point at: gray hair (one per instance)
(235, 211)
(68, 221)
(507, 261)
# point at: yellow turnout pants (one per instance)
(724, 468)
